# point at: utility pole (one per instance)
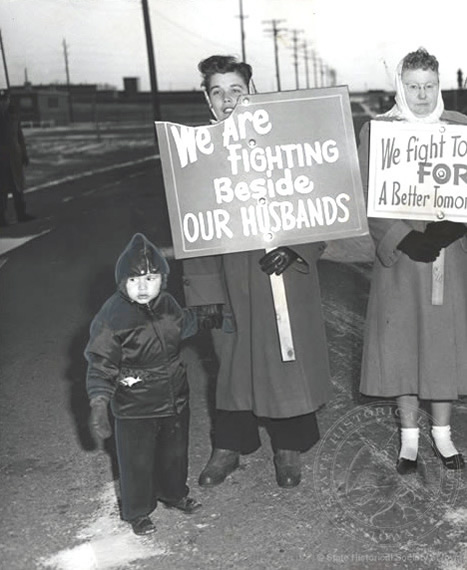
(315, 67)
(276, 30)
(242, 30)
(306, 57)
(7, 79)
(152, 62)
(70, 104)
(295, 34)
(323, 72)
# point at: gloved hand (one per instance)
(444, 233)
(277, 260)
(209, 316)
(99, 420)
(419, 247)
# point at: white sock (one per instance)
(409, 443)
(442, 437)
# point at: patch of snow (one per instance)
(106, 553)
(457, 516)
(7, 244)
(110, 542)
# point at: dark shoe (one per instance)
(288, 469)
(187, 505)
(454, 462)
(142, 526)
(26, 218)
(221, 464)
(406, 466)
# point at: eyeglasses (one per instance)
(427, 87)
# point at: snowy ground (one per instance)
(58, 152)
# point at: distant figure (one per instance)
(460, 79)
(134, 363)
(13, 157)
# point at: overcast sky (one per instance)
(361, 39)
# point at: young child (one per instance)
(134, 362)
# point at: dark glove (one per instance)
(419, 247)
(99, 420)
(209, 316)
(444, 233)
(277, 260)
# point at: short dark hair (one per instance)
(420, 59)
(223, 64)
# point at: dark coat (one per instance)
(410, 345)
(252, 375)
(13, 154)
(133, 352)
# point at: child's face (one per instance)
(144, 288)
(224, 91)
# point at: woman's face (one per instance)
(224, 91)
(421, 90)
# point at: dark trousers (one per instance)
(238, 431)
(153, 462)
(7, 186)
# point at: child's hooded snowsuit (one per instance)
(134, 350)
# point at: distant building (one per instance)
(41, 107)
(456, 99)
(131, 86)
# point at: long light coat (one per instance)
(412, 346)
(252, 375)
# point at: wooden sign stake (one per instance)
(437, 280)
(282, 318)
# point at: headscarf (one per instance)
(401, 109)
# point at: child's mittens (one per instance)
(99, 420)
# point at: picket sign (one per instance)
(282, 169)
(281, 310)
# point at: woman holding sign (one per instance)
(416, 330)
(254, 385)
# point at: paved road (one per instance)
(59, 505)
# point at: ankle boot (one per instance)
(288, 468)
(221, 464)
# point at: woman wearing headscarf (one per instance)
(415, 350)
